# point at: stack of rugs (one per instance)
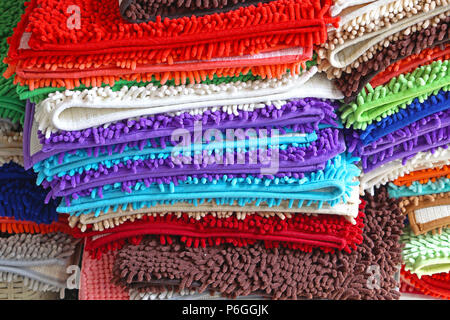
(35, 245)
(390, 60)
(230, 149)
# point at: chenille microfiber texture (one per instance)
(328, 144)
(436, 285)
(373, 28)
(19, 289)
(407, 289)
(250, 30)
(420, 111)
(426, 254)
(352, 83)
(11, 149)
(10, 105)
(95, 279)
(411, 62)
(12, 226)
(21, 198)
(418, 189)
(95, 284)
(272, 64)
(427, 213)
(87, 169)
(374, 104)
(138, 11)
(301, 115)
(332, 185)
(275, 273)
(77, 110)
(397, 168)
(102, 222)
(42, 259)
(302, 232)
(306, 21)
(424, 134)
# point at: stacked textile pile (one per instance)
(177, 271)
(12, 109)
(426, 263)
(36, 264)
(424, 198)
(128, 125)
(35, 248)
(390, 60)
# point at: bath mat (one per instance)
(411, 62)
(426, 254)
(18, 289)
(96, 275)
(271, 64)
(11, 148)
(419, 136)
(301, 115)
(437, 285)
(40, 259)
(434, 106)
(21, 198)
(377, 103)
(36, 95)
(352, 83)
(101, 222)
(423, 176)
(416, 188)
(79, 110)
(295, 24)
(308, 18)
(301, 232)
(10, 105)
(162, 162)
(372, 28)
(397, 168)
(305, 275)
(332, 185)
(404, 35)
